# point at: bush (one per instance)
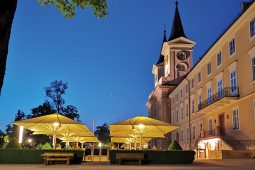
(47, 146)
(158, 157)
(174, 146)
(13, 143)
(33, 156)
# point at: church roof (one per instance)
(176, 81)
(161, 57)
(177, 28)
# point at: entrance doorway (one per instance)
(222, 124)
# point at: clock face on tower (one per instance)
(182, 55)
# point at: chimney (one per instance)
(246, 5)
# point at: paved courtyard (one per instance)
(247, 164)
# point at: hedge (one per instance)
(158, 157)
(33, 156)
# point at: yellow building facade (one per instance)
(214, 103)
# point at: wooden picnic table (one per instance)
(50, 157)
(130, 156)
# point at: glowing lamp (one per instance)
(55, 124)
(141, 126)
(21, 129)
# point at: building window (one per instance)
(177, 116)
(186, 88)
(252, 28)
(172, 119)
(232, 47)
(193, 132)
(187, 109)
(220, 89)
(192, 83)
(201, 126)
(253, 68)
(210, 126)
(233, 82)
(209, 68)
(187, 134)
(209, 95)
(254, 110)
(199, 101)
(177, 98)
(181, 112)
(192, 106)
(182, 135)
(235, 119)
(219, 59)
(181, 94)
(199, 77)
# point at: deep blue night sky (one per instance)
(107, 62)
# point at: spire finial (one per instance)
(164, 26)
(177, 28)
(176, 3)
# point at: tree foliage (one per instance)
(2, 134)
(174, 146)
(71, 112)
(55, 92)
(69, 7)
(103, 133)
(13, 143)
(42, 110)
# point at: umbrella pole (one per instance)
(141, 142)
(135, 143)
(54, 141)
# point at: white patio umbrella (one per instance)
(53, 124)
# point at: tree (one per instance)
(67, 7)
(103, 133)
(13, 143)
(71, 112)
(55, 91)
(42, 110)
(2, 134)
(19, 115)
(174, 146)
(12, 130)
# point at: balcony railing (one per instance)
(226, 92)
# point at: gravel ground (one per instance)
(232, 164)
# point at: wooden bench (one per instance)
(130, 156)
(57, 156)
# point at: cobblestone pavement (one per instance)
(246, 164)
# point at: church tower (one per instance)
(176, 53)
(175, 61)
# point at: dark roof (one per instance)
(176, 82)
(161, 57)
(177, 28)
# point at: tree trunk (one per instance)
(7, 12)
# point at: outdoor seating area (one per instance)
(133, 137)
(130, 142)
